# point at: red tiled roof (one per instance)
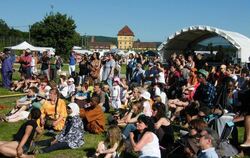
(125, 31)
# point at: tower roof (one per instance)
(125, 31)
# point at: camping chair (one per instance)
(225, 149)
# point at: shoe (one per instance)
(245, 145)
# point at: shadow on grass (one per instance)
(90, 152)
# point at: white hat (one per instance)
(71, 79)
(145, 95)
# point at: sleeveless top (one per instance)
(152, 148)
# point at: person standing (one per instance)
(26, 64)
(108, 70)
(45, 65)
(72, 63)
(95, 66)
(52, 66)
(131, 63)
(7, 66)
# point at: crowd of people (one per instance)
(145, 106)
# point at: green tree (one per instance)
(4, 29)
(56, 30)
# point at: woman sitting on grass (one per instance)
(132, 115)
(54, 112)
(113, 145)
(148, 143)
(71, 135)
(19, 146)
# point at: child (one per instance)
(113, 145)
(115, 94)
(107, 97)
(19, 146)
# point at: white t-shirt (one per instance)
(161, 78)
(147, 108)
(161, 94)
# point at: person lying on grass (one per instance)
(23, 103)
(23, 113)
(71, 135)
(20, 144)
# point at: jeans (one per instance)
(129, 128)
(48, 147)
(72, 70)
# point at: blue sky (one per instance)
(150, 20)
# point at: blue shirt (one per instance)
(72, 60)
(208, 153)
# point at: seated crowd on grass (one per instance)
(145, 107)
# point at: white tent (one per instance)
(22, 46)
(82, 51)
(42, 49)
(25, 45)
(182, 39)
(76, 48)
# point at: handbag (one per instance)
(49, 120)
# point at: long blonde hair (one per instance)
(114, 135)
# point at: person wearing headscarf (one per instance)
(71, 136)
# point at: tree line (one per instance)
(54, 30)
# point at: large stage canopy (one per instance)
(188, 37)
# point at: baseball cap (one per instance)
(203, 72)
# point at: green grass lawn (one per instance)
(8, 129)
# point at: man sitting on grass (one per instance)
(22, 104)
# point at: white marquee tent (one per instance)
(180, 40)
(25, 45)
(22, 46)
